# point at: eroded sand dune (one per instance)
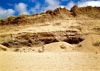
(58, 40)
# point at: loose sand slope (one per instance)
(49, 61)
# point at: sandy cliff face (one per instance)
(92, 12)
(59, 13)
(48, 30)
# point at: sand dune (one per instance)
(58, 40)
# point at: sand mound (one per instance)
(58, 47)
(91, 43)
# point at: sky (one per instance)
(17, 7)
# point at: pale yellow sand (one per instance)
(71, 61)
